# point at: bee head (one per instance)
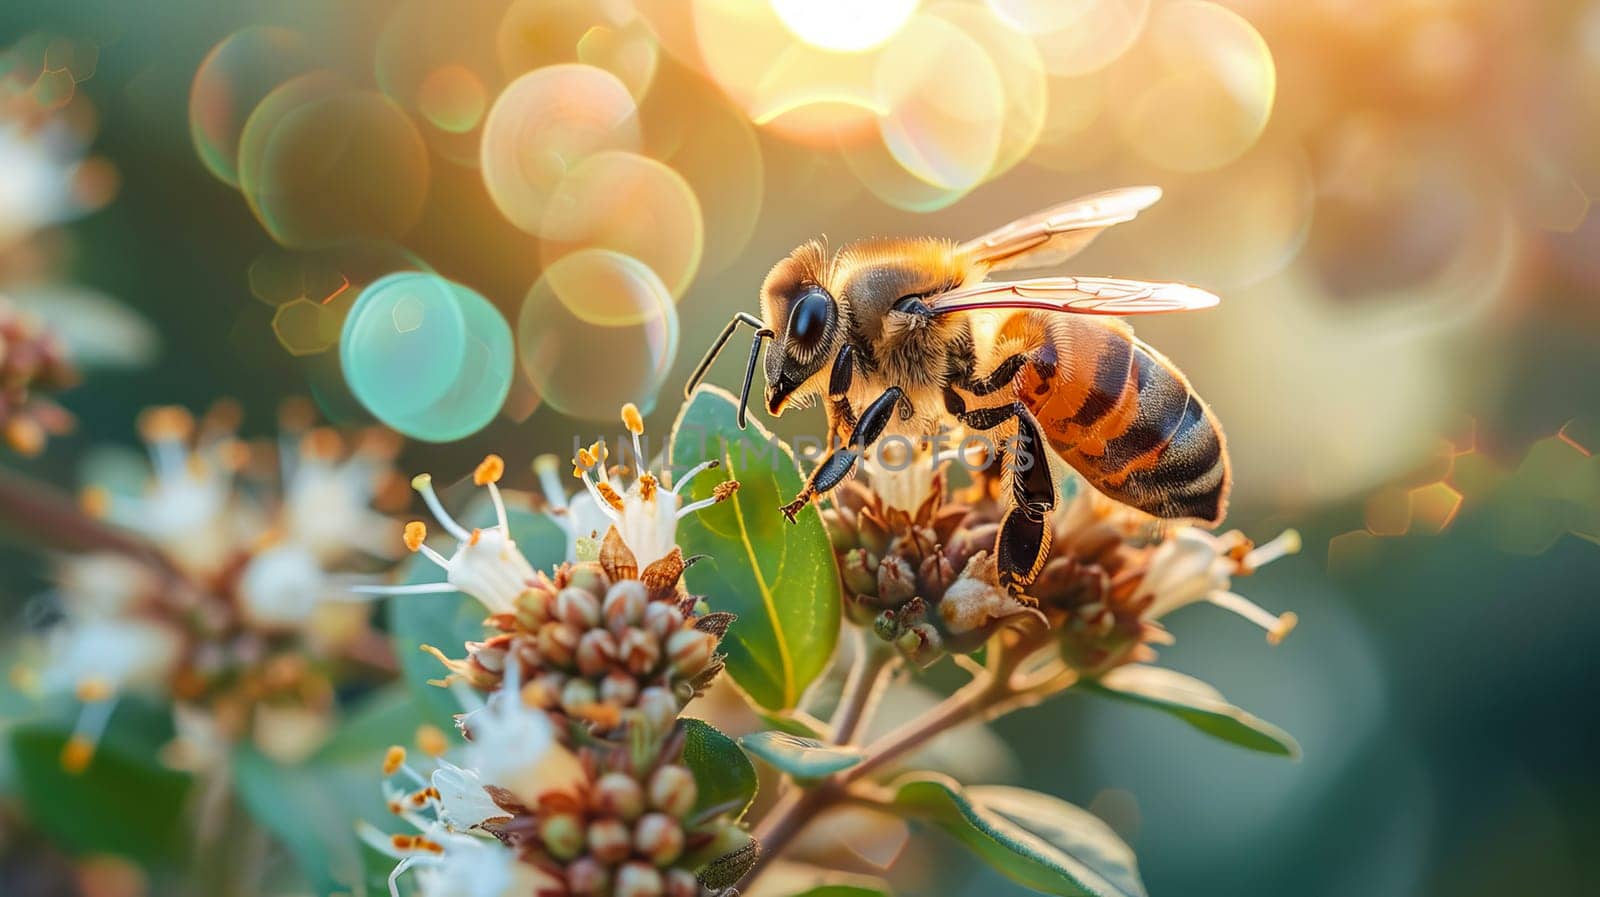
(805, 320)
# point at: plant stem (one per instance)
(45, 516)
(874, 666)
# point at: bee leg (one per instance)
(839, 463)
(1000, 377)
(841, 417)
(1023, 544)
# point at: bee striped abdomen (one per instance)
(1125, 418)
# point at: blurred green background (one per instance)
(1411, 297)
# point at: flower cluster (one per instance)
(598, 638)
(1113, 575)
(925, 578)
(917, 568)
(32, 364)
(234, 619)
(537, 809)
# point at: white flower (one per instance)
(281, 586)
(328, 495)
(514, 746)
(901, 476)
(645, 513)
(463, 803)
(109, 655)
(1192, 565)
(477, 867)
(103, 585)
(486, 563)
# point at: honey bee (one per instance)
(908, 336)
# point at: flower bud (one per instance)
(562, 834)
(532, 608)
(672, 790)
(596, 652)
(578, 607)
(681, 883)
(639, 880)
(557, 642)
(896, 582)
(588, 877)
(662, 619)
(609, 841)
(874, 535)
(886, 625)
(659, 708)
(619, 688)
(625, 603)
(857, 570)
(639, 651)
(659, 838)
(690, 651)
(578, 694)
(619, 794)
(544, 690)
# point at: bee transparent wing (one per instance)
(1077, 295)
(1060, 232)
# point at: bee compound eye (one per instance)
(809, 318)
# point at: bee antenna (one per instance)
(716, 349)
(762, 335)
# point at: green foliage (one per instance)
(1196, 703)
(1034, 839)
(794, 724)
(801, 757)
(724, 778)
(124, 803)
(842, 891)
(448, 620)
(780, 579)
(312, 808)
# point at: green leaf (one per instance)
(798, 723)
(724, 777)
(447, 621)
(803, 758)
(779, 578)
(125, 802)
(1196, 703)
(313, 808)
(843, 891)
(1036, 840)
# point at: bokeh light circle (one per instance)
(452, 98)
(1100, 36)
(947, 104)
(692, 127)
(1040, 16)
(426, 356)
(542, 125)
(844, 26)
(596, 330)
(610, 36)
(1022, 79)
(236, 75)
(1202, 91)
(631, 204)
(322, 163)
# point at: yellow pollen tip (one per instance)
(1290, 540)
(647, 486)
(632, 419)
(609, 494)
(93, 690)
(489, 471)
(95, 501)
(725, 489)
(422, 481)
(402, 841)
(476, 535)
(431, 740)
(76, 754)
(165, 422)
(1286, 623)
(393, 759)
(323, 443)
(415, 532)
